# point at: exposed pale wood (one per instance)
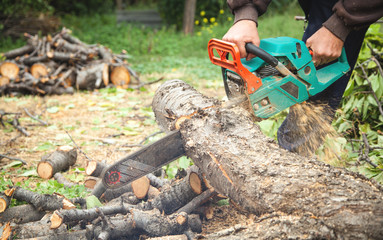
(90, 182)
(9, 70)
(95, 168)
(39, 70)
(140, 187)
(120, 77)
(4, 81)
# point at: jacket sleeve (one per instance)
(247, 9)
(352, 15)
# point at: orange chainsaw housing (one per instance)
(223, 50)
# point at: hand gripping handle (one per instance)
(262, 54)
(223, 49)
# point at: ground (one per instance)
(105, 124)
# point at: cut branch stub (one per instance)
(253, 171)
(60, 160)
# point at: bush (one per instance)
(171, 11)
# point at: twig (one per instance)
(35, 118)
(373, 93)
(364, 156)
(78, 146)
(13, 158)
(15, 122)
(151, 135)
(147, 83)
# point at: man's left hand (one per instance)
(325, 45)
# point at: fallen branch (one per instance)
(44, 202)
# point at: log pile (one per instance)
(148, 207)
(61, 64)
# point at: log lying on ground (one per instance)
(250, 168)
(179, 194)
(94, 168)
(21, 214)
(45, 202)
(59, 160)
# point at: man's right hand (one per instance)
(243, 32)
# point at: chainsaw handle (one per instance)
(262, 54)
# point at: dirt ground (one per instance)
(106, 125)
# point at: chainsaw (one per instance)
(282, 75)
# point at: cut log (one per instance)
(4, 202)
(9, 70)
(92, 77)
(4, 81)
(260, 177)
(120, 77)
(140, 187)
(60, 160)
(180, 193)
(94, 168)
(153, 192)
(90, 182)
(21, 214)
(60, 217)
(39, 70)
(44, 202)
(19, 51)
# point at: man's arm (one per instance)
(327, 42)
(245, 30)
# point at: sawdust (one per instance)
(312, 127)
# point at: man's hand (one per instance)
(325, 45)
(242, 32)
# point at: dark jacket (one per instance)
(348, 14)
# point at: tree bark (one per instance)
(250, 168)
(21, 214)
(189, 12)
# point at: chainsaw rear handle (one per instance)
(262, 54)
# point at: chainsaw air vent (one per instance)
(291, 89)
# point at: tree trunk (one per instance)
(250, 168)
(189, 12)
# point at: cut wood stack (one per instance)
(61, 64)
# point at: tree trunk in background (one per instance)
(189, 13)
(292, 196)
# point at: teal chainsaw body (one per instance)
(282, 75)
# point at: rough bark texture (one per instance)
(21, 214)
(308, 196)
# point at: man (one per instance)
(332, 25)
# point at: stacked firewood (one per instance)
(61, 64)
(148, 207)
